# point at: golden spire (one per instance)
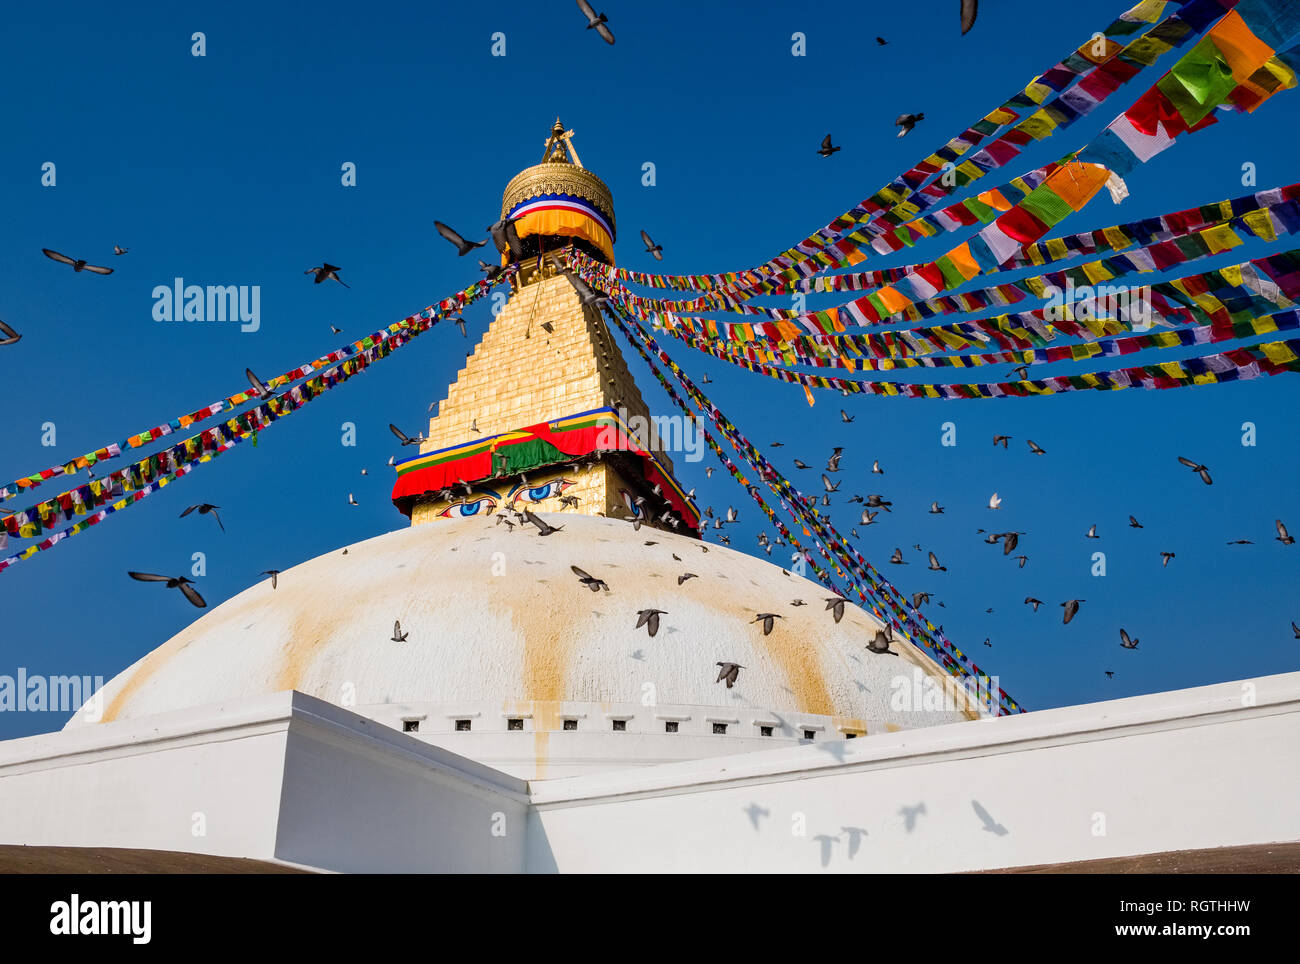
(559, 146)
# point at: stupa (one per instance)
(509, 659)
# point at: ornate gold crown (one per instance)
(561, 172)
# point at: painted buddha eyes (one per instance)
(463, 510)
(541, 493)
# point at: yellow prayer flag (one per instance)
(1220, 238)
(1261, 223)
(1278, 353)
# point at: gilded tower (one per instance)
(545, 414)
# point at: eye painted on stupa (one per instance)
(540, 493)
(632, 507)
(463, 510)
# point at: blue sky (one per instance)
(226, 170)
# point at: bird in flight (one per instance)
(969, 10)
(768, 620)
(327, 272)
(907, 122)
(596, 21)
(729, 672)
(403, 437)
(1031, 601)
(845, 417)
(651, 248)
(1134, 524)
(77, 264)
(836, 605)
(274, 574)
(995, 502)
(205, 508)
(827, 149)
(1164, 559)
(173, 582)
(686, 575)
(1036, 448)
(649, 618)
(398, 635)
(897, 558)
(1126, 642)
(880, 642)
(542, 527)
(934, 564)
(1071, 607)
(881, 42)
(1001, 440)
(10, 336)
(591, 582)
(260, 388)
(1199, 469)
(119, 250)
(935, 508)
(1283, 536)
(463, 247)
(1092, 532)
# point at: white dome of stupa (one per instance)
(501, 630)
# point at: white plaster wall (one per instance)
(1187, 769)
(141, 783)
(359, 797)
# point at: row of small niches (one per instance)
(617, 726)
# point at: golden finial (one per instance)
(559, 146)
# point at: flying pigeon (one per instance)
(833, 463)
(1164, 559)
(836, 605)
(1036, 448)
(596, 21)
(995, 502)
(767, 620)
(1071, 607)
(729, 672)
(505, 237)
(77, 265)
(585, 292)
(918, 598)
(1092, 532)
(260, 387)
(398, 635)
(11, 336)
(686, 575)
(650, 619)
(542, 527)
(934, 564)
(876, 469)
(204, 508)
(1134, 524)
(1126, 642)
(1001, 440)
(1199, 469)
(1031, 601)
(490, 271)
(403, 437)
(352, 499)
(935, 508)
(897, 558)
(119, 250)
(652, 248)
(273, 573)
(591, 582)
(327, 271)
(463, 247)
(880, 642)
(969, 10)
(907, 122)
(881, 41)
(845, 417)
(1283, 536)
(826, 150)
(173, 582)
